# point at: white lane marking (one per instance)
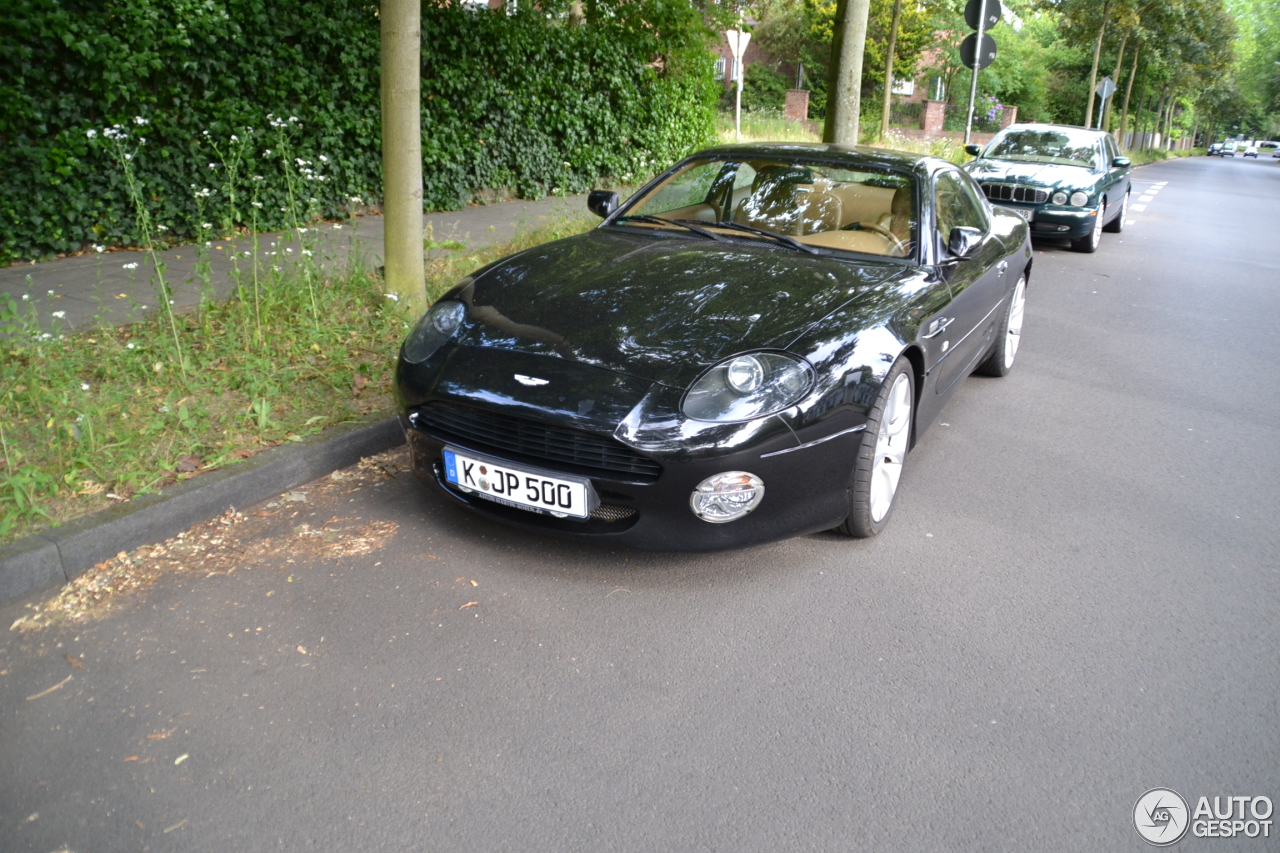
(1137, 208)
(1146, 198)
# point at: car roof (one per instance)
(1033, 125)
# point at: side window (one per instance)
(955, 205)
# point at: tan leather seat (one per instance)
(898, 221)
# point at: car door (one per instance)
(977, 281)
(1118, 180)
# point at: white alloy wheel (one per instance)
(1089, 242)
(1013, 329)
(1116, 225)
(891, 447)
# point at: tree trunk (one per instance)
(845, 83)
(402, 152)
(1128, 89)
(1106, 108)
(577, 15)
(888, 69)
(1093, 71)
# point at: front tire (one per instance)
(1003, 351)
(1116, 225)
(1089, 243)
(881, 457)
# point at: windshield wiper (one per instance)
(782, 238)
(658, 220)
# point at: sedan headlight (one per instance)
(1079, 199)
(435, 327)
(1059, 197)
(748, 386)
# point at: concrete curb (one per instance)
(60, 554)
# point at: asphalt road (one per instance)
(1076, 602)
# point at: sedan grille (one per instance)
(520, 439)
(1013, 192)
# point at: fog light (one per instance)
(726, 497)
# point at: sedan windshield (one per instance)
(797, 205)
(1059, 146)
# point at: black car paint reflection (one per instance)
(618, 323)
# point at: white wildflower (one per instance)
(132, 266)
(51, 293)
(128, 156)
(324, 159)
(337, 228)
(91, 133)
(206, 225)
(46, 337)
(162, 227)
(257, 204)
(131, 345)
(307, 252)
(235, 138)
(84, 386)
(26, 297)
(140, 121)
(394, 297)
(59, 314)
(289, 249)
(213, 165)
(99, 249)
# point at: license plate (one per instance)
(1025, 213)
(519, 486)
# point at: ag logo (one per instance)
(1161, 817)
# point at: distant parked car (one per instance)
(1066, 181)
(1229, 149)
(1215, 148)
(1251, 151)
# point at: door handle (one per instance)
(1002, 267)
(937, 327)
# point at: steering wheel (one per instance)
(894, 242)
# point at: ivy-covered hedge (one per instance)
(526, 103)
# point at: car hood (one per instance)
(1043, 175)
(656, 307)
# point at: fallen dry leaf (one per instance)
(74, 663)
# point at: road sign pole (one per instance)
(977, 63)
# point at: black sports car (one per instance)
(1067, 181)
(743, 351)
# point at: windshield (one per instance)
(867, 211)
(1059, 146)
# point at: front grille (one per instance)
(1013, 192)
(527, 440)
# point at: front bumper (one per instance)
(1060, 221)
(806, 490)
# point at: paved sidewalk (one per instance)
(103, 287)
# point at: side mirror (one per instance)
(964, 241)
(1120, 162)
(602, 202)
(973, 149)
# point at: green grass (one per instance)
(763, 127)
(95, 416)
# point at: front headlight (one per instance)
(1079, 199)
(1059, 197)
(748, 386)
(435, 327)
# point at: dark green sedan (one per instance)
(1068, 182)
